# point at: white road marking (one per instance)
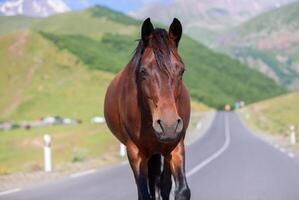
(291, 155)
(275, 145)
(82, 173)
(198, 125)
(283, 150)
(10, 191)
(216, 154)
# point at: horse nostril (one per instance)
(179, 120)
(179, 126)
(157, 125)
(159, 121)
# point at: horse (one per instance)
(147, 108)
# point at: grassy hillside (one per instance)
(285, 16)
(275, 115)
(270, 43)
(212, 78)
(10, 24)
(62, 66)
(93, 23)
(37, 79)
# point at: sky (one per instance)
(120, 5)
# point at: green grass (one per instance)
(284, 71)
(88, 23)
(9, 24)
(274, 116)
(109, 54)
(274, 20)
(66, 69)
(212, 78)
(22, 150)
(59, 85)
(101, 11)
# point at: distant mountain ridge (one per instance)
(206, 18)
(269, 43)
(34, 8)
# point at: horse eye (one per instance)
(144, 73)
(182, 71)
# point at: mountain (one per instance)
(205, 19)
(269, 43)
(10, 24)
(70, 62)
(38, 79)
(34, 8)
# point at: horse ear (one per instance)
(147, 30)
(175, 31)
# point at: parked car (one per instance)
(97, 120)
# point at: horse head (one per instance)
(160, 75)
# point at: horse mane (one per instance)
(161, 47)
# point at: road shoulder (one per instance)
(201, 126)
(276, 141)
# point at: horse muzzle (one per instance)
(168, 131)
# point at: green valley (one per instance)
(213, 78)
(61, 65)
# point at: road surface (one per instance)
(227, 163)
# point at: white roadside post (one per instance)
(47, 153)
(292, 135)
(122, 150)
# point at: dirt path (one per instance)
(17, 49)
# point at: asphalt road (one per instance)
(227, 163)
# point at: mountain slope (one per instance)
(38, 79)
(270, 43)
(10, 24)
(107, 44)
(212, 78)
(94, 23)
(35, 8)
(206, 19)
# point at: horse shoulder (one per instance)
(112, 109)
(185, 108)
(130, 114)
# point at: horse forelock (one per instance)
(162, 49)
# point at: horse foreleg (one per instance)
(154, 174)
(139, 166)
(177, 166)
(166, 182)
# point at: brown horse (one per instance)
(147, 107)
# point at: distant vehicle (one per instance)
(50, 120)
(237, 105)
(6, 125)
(242, 104)
(97, 120)
(227, 107)
(70, 121)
